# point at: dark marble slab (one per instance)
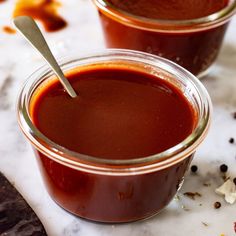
(16, 216)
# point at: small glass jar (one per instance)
(193, 44)
(107, 190)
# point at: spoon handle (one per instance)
(27, 26)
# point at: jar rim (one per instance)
(117, 167)
(161, 25)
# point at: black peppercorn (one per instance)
(234, 115)
(231, 140)
(217, 205)
(223, 168)
(194, 168)
(234, 180)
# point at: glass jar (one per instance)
(115, 190)
(193, 44)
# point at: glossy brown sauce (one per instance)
(170, 9)
(8, 30)
(119, 114)
(45, 11)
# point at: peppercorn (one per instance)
(231, 140)
(234, 115)
(223, 168)
(217, 205)
(194, 168)
(234, 180)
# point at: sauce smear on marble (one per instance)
(45, 11)
(8, 30)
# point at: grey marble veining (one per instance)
(183, 216)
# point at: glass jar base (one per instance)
(103, 221)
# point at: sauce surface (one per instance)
(119, 114)
(170, 9)
(45, 11)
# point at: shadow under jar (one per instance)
(189, 33)
(108, 161)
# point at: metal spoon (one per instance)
(27, 26)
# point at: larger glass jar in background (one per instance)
(193, 44)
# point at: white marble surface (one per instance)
(18, 61)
